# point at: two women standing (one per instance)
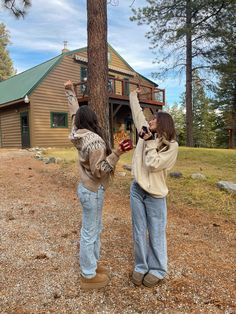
(155, 153)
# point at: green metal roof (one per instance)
(22, 84)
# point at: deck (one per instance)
(119, 89)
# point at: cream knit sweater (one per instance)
(150, 166)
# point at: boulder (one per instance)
(226, 186)
(198, 176)
(49, 160)
(176, 175)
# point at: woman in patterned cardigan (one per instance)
(96, 165)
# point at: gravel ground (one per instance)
(40, 219)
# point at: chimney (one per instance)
(65, 49)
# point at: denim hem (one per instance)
(88, 277)
(143, 272)
(156, 274)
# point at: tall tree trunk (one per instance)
(97, 62)
(189, 106)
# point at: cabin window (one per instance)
(83, 78)
(59, 120)
(126, 86)
(111, 84)
(83, 73)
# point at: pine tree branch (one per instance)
(132, 3)
(209, 16)
(201, 67)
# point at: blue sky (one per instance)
(40, 37)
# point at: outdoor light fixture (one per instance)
(26, 99)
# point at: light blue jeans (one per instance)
(92, 203)
(149, 217)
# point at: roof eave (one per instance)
(156, 85)
(11, 103)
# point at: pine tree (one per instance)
(223, 60)
(225, 104)
(180, 30)
(6, 65)
(203, 117)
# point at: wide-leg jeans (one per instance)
(92, 203)
(149, 218)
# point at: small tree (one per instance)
(6, 65)
(178, 114)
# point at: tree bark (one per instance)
(97, 62)
(189, 106)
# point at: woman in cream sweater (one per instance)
(155, 154)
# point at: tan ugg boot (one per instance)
(151, 281)
(97, 282)
(102, 269)
(137, 278)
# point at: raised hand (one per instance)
(69, 85)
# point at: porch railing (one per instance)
(120, 88)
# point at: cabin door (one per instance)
(25, 134)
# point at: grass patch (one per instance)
(215, 164)
(68, 155)
(218, 164)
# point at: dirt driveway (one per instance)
(39, 223)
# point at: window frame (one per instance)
(126, 86)
(59, 113)
(83, 70)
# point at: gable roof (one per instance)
(17, 87)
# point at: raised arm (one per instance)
(73, 104)
(137, 112)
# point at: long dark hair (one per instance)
(86, 118)
(165, 130)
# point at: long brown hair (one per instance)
(165, 129)
(86, 118)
